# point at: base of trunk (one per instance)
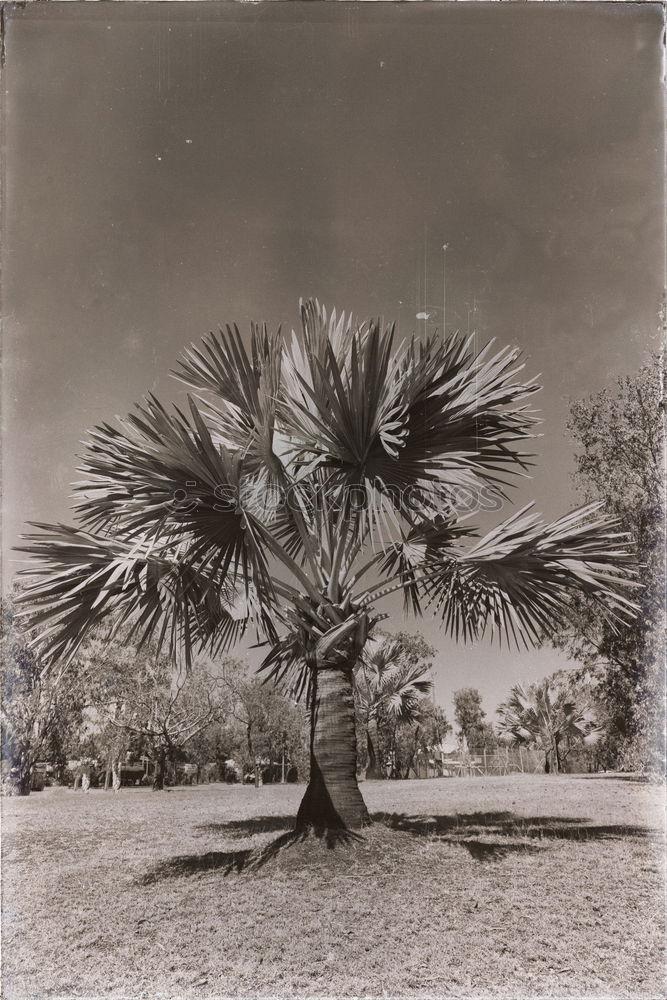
(160, 771)
(332, 806)
(18, 785)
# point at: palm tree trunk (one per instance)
(373, 770)
(332, 799)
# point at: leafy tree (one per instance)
(40, 710)
(214, 745)
(137, 695)
(169, 718)
(313, 476)
(105, 668)
(390, 681)
(138, 705)
(271, 726)
(111, 744)
(469, 717)
(419, 737)
(548, 718)
(621, 435)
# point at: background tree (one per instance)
(390, 681)
(418, 738)
(313, 476)
(165, 712)
(210, 749)
(40, 709)
(547, 717)
(139, 700)
(271, 728)
(469, 717)
(105, 667)
(621, 437)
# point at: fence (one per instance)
(501, 761)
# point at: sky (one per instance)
(173, 167)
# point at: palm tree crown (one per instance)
(388, 682)
(552, 720)
(310, 476)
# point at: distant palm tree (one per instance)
(314, 475)
(387, 683)
(549, 720)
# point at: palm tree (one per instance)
(550, 720)
(310, 477)
(387, 684)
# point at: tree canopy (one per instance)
(391, 683)
(470, 718)
(620, 433)
(550, 717)
(39, 710)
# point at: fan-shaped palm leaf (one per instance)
(244, 387)
(160, 475)
(431, 415)
(516, 580)
(385, 679)
(82, 580)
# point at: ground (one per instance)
(526, 886)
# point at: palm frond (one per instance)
(430, 415)
(245, 387)
(81, 580)
(425, 546)
(515, 582)
(160, 475)
(544, 717)
(285, 666)
(386, 680)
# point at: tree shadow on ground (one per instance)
(486, 836)
(524, 832)
(248, 827)
(245, 860)
(637, 779)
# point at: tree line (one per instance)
(118, 703)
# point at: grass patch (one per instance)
(525, 886)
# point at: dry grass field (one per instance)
(516, 887)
